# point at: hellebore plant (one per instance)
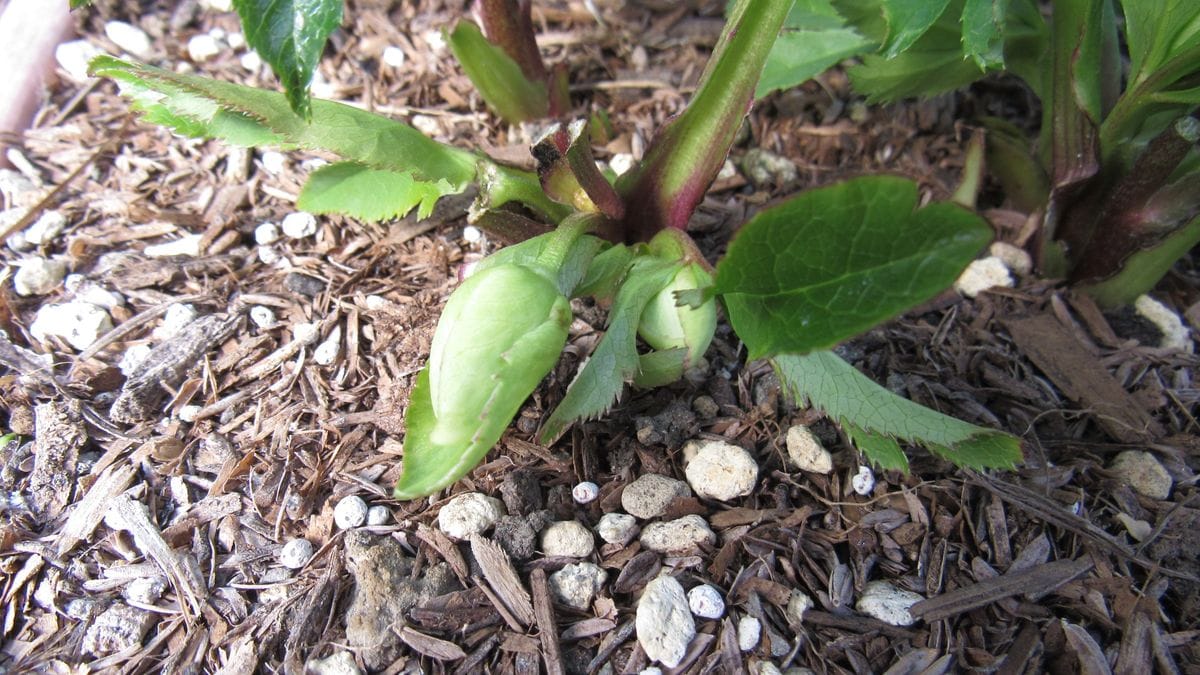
(800, 277)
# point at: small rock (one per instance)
(273, 587)
(664, 622)
(472, 234)
(426, 125)
(648, 496)
(677, 537)
(202, 47)
(217, 5)
(275, 162)
(79, 323)
(267, 255)
(749, 632)
(263, 317)
(129, 38)
(393, 56)
(378, 515)
(706, 602)
(266, 234)
(306, 332)
(1143, 472)
(621, 163)
(350, 512)
(577, 584)
(469, 513)
(889, 604)
(766, 668)
(145, 591)
(567, 539)
(522, 492)
(767, 168)
(38, 276)
(652, 670)
(236, 40)
(43, 230)
(299, 225)
(1015, 258)
(86, 291)
(516, 536)
(132, 359)
(585, 492)
(188, 245)
(296, 554)
(706, 407)
(251, 61)
(720, 470)
(798, 604)
(326, 352)
(175, 319)
(338, 663)
(74, 57)
(863, 482)
(118, 628)
(983, 274)
(1175, 334)
(308, 286)
(806, 451)
(1140, 530)
(617, 528)
(189, 413)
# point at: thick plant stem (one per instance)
(685, 157)
(508, 24)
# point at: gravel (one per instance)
(806, 451)
(585, 492)
(469, 513)
(749, 633)
(982, 274)
(38, 276)
(129, 38)
(648, 496)
(378, 515)
(567, 539)
(79, 323)
(576, 585)
(706, 602)
(617, 528)
(1143, 472)
(798, 604)
(719, 470)
(187, 246)
(350, 512)
(296, 554)
(883, 601)
(664, 622)
(677, 537)
(299, 225)
(863, 482)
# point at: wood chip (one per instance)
(445, 548)
(544, 613)
(90, 510)
(1036, 581)
(430, 646)
(133, 517)
(500, 574)
(59, 436)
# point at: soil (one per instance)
(145, 514)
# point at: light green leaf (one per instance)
(369, 194)
(497, 77)
(983, 24)
(1157, 31)
(800, 55)
(290, 35)
(837, 387)
(880, 449)
(933, 66)
(615, 359)
(833, 262)
(907, 21)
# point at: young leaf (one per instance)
(814, 38)
(983, 23)
(881, 449)
(907, 21)
(934, 64)
(290, 35)
(369, 194)
(833, 262)
(499, 78)
(830, 383)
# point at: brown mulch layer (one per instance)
(191, 476)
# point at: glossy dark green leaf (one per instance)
(290, 35)
(833, 262)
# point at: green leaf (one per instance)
(615, 359)
(934, 65)
(353, 134)
(907, 21)
(499, 79)
(369, 194)
(983, 23)
(1156, 31)
(290, 35)
(800, 55)
(880, 449)
(76, 4)
(833, 262)
(844, 393)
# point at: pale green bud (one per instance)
(667, 325)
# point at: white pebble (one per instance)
(376, 303)
(86, 291)
(236, 40)
(43, 230)
(217, 33)
(681, 536)
(79, 323)
(576, 585)
(74, 56)
(617, 528)
(187, 245)
(174, 320)
(378, 515)
(649, 495)
(1143, 472)
(218, 5)
(132, 359)
(145, 590)
(1015, 258)
(189, 413)
(621, 163)
(651, 670)
(313, 163)
(251, 61)
(426, 125)
(267, 255)
(469, 513)
(296, 554)
(263, 317)
(306, 332)
(749, 632)
(982, 274)
(585, 492)
(350, 512)
(863, 482)
(435, 40)
(889, 604)
(1175, 334)
(129, 38)
(202, 47)
(664, 622)
(806, 451)
(720, 470)
(299, 225)
(338, 663)
(326, 352)
(393, 56)
(274, 162)
(567, 539)
(798, 604)
(266, 234)
(38, 276)
(706, 602)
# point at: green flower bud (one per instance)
(666, 325)
(501, 331)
